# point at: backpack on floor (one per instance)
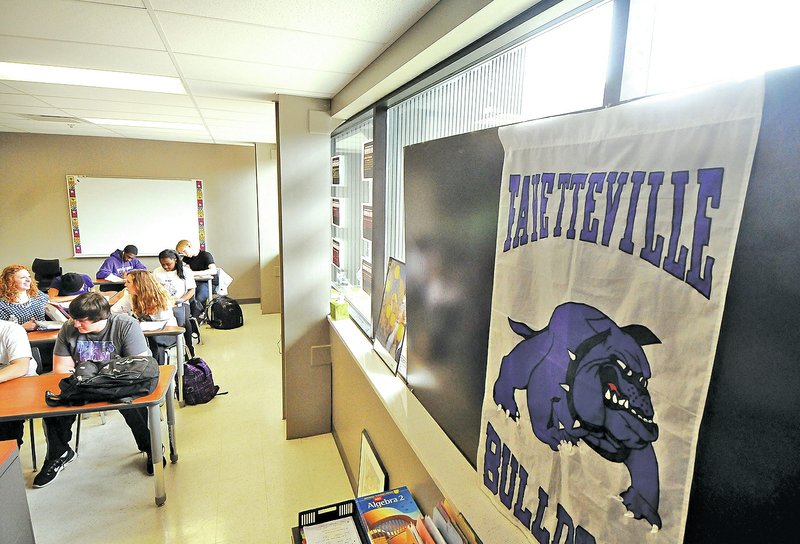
(224, 313)
(198, 383)
(121, 379)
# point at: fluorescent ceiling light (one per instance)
(90, 78)
(146, 124)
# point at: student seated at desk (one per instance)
(202, 264)
(118, 264)
(16, 361)
(93, 333)
(68, 286)
(179, 282)
(20, 299)
(146, 300)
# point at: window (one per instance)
(675, 44)
(351, 216)
(557, 69)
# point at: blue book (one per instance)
(388, 516)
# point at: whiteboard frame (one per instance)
(127, 219)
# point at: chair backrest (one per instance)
(45, 270)
(37, 356)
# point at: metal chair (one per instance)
(37, 356)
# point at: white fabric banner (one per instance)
(614, 247)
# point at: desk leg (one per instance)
(181, 351)
(154, 422)
(173, 445)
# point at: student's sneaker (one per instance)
(149, 467)
(50, 469)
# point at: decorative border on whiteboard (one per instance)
(75, 223)
(73, 216)
(201, 214)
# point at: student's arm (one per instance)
(138, 265)
(105, 270)
(210, 271)
(187, 295)
(15, 369)
(52, 294)
(63, 364)
(117, 297)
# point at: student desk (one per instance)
(15, 523)
(23, 398)
(210, 279)
(44, 338)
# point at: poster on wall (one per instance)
(391, 329)
(615, 241)
(366, 276)
(336, 253)
(366, 160)
(337, 179)
(336, 212)
(366, 229)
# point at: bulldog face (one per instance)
(609, 395)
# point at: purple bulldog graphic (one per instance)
(586, 379)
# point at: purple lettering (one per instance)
(710, 180)
(652, 253)
(677, 267)
(589, 231)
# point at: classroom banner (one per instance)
(614, 247)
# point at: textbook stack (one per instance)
(393, 517)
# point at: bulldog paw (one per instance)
(639, 508)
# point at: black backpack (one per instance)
(224, 313)
(119, 380)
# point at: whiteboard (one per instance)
(107, 214)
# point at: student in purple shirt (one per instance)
(68, 286)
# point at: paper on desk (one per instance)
(113, 277)
(48, 325)
(152, 325)
(338, 531)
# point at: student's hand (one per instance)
(29, 325)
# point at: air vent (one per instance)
(51, 118)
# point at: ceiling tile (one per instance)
(237, 116)
(98, 93)
(379, 21)
(47, 127)
(35, 110)
(80, 55)
(70, 21)
(240, 41)
(5, 89)
(21, 100)
(223, 104)
(270, 78)
(131, 3)
(110, 106)
(134, 116)
(220, 89)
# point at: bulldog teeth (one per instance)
(564, 386)
(622, 365)
(626, 404)
(571, 355)
(560, 426)
(576, 425)
(614, 398)
(608, 394)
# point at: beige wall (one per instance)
(269, 243)
(303, 174)
(33, 206)
(356, 407)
